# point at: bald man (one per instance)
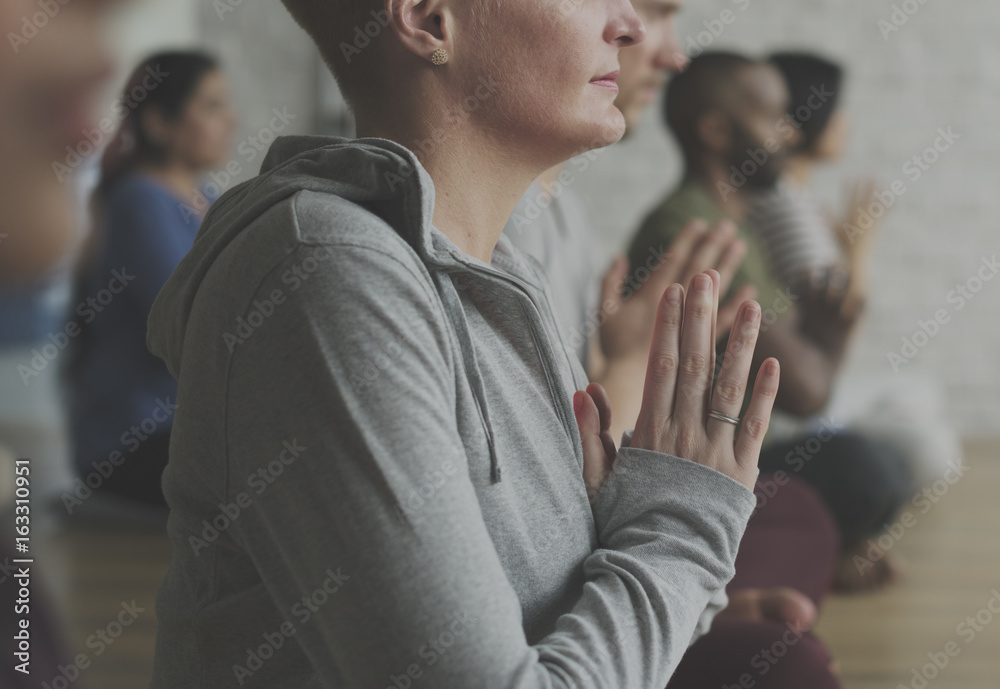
(728, 113)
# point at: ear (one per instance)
(715, 131)
(422, 26)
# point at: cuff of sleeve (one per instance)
(645, 481)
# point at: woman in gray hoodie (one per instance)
(384, 471)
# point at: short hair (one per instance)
(804, 72)
(346, 33)
(340, 29)
(698, 89)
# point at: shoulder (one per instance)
(137, 200)
(327, 219)
(350, 281)
(135, 189)
(325, 248)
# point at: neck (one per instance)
(478, 178)
(548, 178)
(800, 170)
(177, 177)
(714, 175)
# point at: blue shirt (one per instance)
(120, 394)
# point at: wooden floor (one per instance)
(953, 555)
(953, 558)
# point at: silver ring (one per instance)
(724, 417)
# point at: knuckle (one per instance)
(729, 391)
(694, 363)
(748, 334)
(670, 317)
(663, 365)
(766, 391)
(700, 310)
(755, 427)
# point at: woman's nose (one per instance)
(625, 27)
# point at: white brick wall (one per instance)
(941, 68)
(270, 63)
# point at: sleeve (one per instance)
(355, 367)
(718, 602)
(149, 234)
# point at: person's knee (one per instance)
(872, 474)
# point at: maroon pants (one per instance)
(791, 541)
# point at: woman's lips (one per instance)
(607, 81)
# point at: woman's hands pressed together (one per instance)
(678, 396)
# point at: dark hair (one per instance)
(696, 90)
(804, 73)
(175, 76)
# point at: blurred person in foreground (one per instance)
(401, 344)
(802, 239)
(148, 207)
(47, 88)
(729, 115)
(782, 574)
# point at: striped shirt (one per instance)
(795, 232)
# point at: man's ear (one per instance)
(422, 26)
(715, 131)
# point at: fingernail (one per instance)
(702, 282)
(772, 368)
(577, 402)
(674, 295)
(751, 315)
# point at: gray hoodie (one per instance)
(375, 473)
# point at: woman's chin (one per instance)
(608, 129)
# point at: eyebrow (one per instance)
(665, 5)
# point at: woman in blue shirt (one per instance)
(178, 124)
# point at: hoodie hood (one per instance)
(377, 174)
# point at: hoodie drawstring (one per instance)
(456, 313)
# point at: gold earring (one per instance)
(439, 56)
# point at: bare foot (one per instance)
(856, 573)
(782, 605)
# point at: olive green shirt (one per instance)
(687, 203)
